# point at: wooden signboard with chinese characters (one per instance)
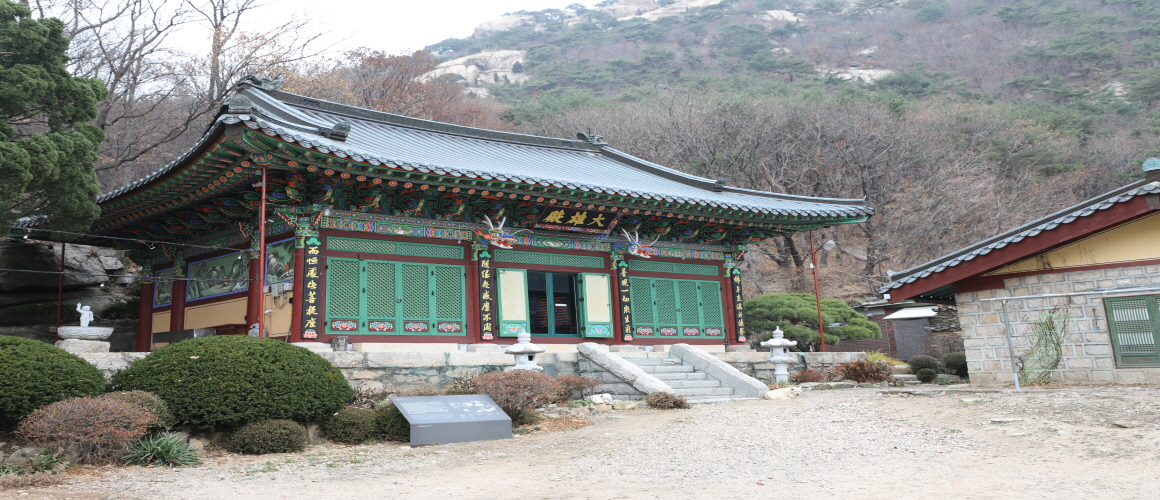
(576, 219)
(487, 310)
(623, 291)
(311, 287)
(738, 300)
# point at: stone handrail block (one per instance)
(624, 370)
(720, 370)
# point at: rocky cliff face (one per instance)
(28, 299)
(483, 68)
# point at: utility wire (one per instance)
(148, 242)
(154, 278)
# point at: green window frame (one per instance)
(380, 297)
(677, 308)
(593, 303)
(1134, 325)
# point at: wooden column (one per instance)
(255, 298)
(177, 309)
(145, 316)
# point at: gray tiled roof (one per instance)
(431, 147)
(1029, 230)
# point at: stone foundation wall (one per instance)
(1087, 347)
(402, 369)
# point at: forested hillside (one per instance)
(955, 119)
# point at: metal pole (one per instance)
(60, 289)
(262, 258)
(1010, 347)
(817, 291)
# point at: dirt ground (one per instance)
(857, 443)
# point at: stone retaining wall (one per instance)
(400, 369)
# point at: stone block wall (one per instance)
(1087, 346)
(754, 363)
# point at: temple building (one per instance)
(393, 231)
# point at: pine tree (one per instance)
(47, 148)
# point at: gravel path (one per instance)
(854, 443)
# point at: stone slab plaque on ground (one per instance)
(453, 419)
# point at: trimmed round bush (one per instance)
(36, 374)
(927, 375)
(149, 402)
(228, 381)
(390, 422)
(90, 430)
(268, 436)
(956, 361)
(923, 361)
(350, 425)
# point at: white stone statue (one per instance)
(86, 315)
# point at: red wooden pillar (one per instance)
(255, 298)
(177, 311)
(145, 318)
(296, 303)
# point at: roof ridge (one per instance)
(296, 100)
(1128, 190)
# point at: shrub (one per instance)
(876, 356)
(149, 402)
(956, 362)
(666, 401)
(923, 361)
(92, 430)
(268, 436)
(927, 375)
(574, 387)
(170, 450)
(35, 374)
(460, 387)
(350, 425)
(866, 371)
(806, 375)
(833, 373)
(390, 423)
(417, 390)
(518, 392)
(230, 380)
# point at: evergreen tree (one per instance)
(47, 149)
(797, 315)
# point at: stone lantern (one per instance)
(525, 352)
(779, 355)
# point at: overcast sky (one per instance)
(392, 26)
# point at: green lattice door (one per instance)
(676, 308)
(401, 298)
(1135, 330)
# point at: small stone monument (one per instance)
(525, 352)
(779, 355)
(84, 338)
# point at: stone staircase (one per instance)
(695, 385)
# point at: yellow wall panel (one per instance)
(279, 321)
(161, 322)
(1135, 241)
(220, 313)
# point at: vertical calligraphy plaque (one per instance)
(311, 289)
(625, 299)
(487, 310)
(738, 300)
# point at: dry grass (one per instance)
(562, 423)
(34, 480)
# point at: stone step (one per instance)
(667, 369)
(905, 376)
(716, 399)
(708, 391)
(681, 376)
(648, 361)
(692, 384)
